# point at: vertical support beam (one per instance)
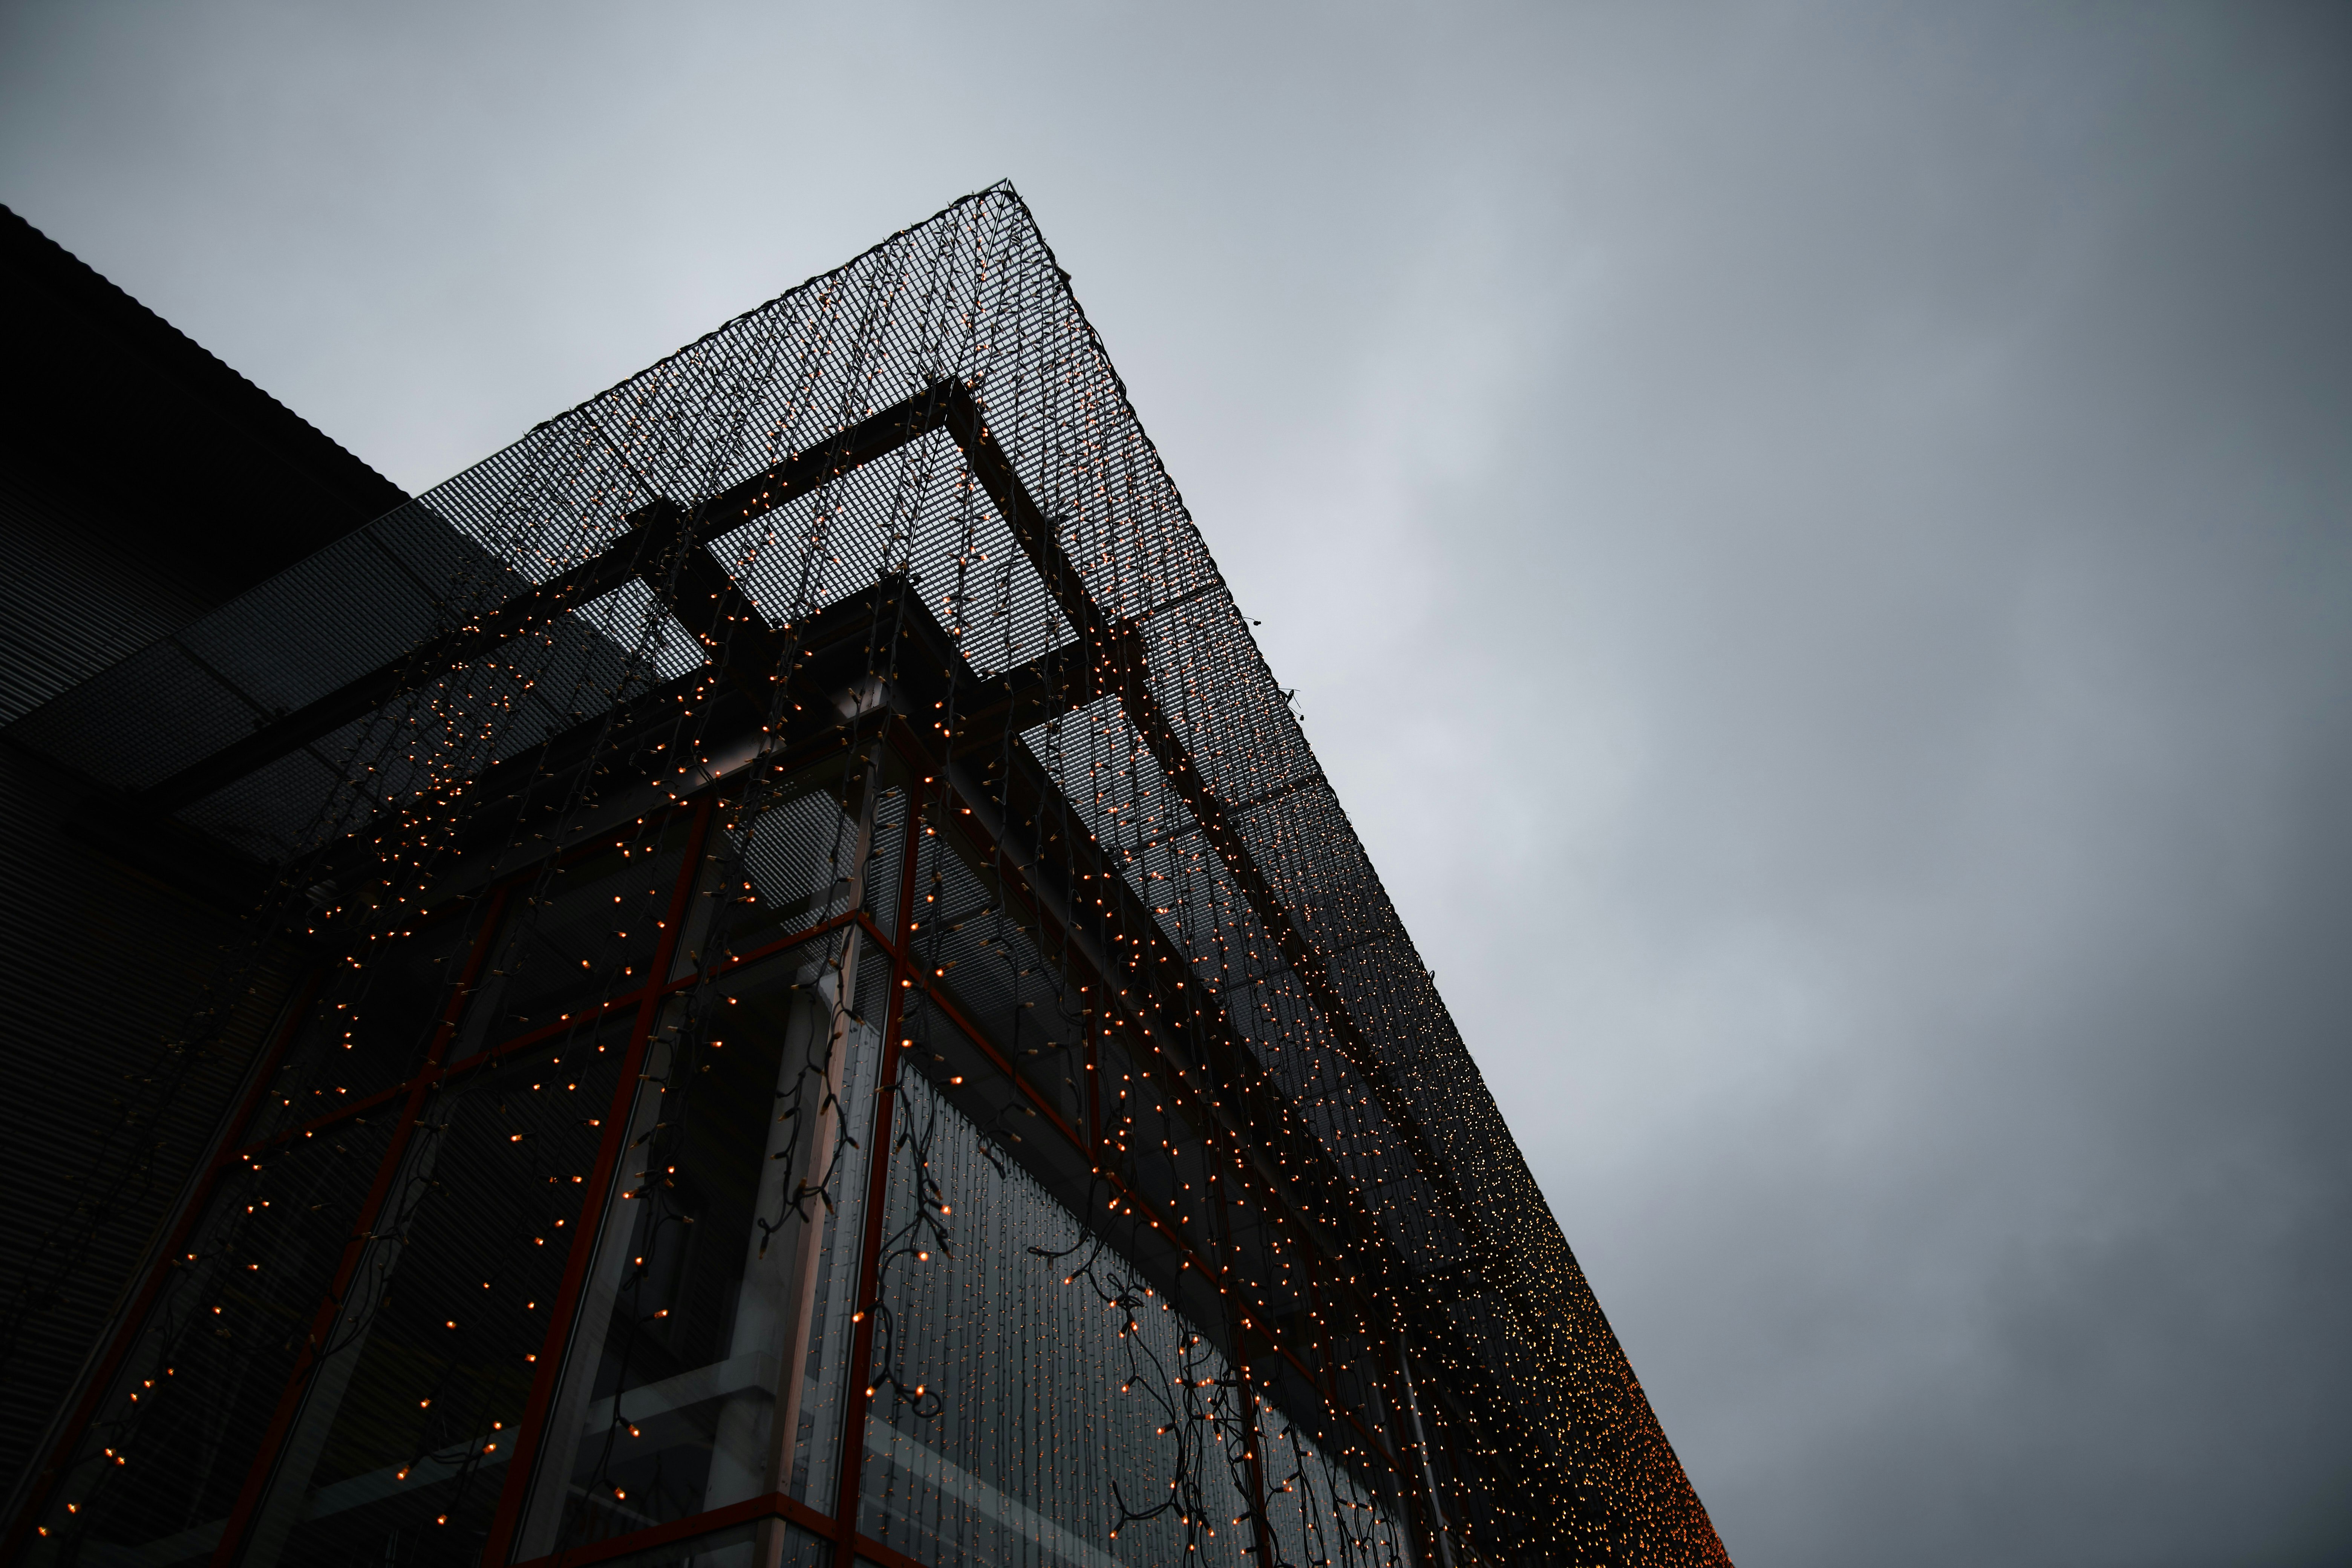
(530, 1431)
(1379, 1383)
(824, 1142)
(290, 1401)
(855, 1395)
(1326, 1364)
(1238, 1336)
(1430, 1498)
(807, 1175)
(217, 1160)
(1255, 1439)
(1094, 1030)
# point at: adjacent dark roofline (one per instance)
(61, 313)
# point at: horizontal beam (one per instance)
(1119, 653)
(647, 542)
(412, 671)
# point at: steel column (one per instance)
(855, 1393)
(1253, 1451)
(822, 1142)
(530, 1429)
(264, 1459)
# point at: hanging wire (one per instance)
(1200, 1235)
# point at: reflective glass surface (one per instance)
(402, 1442)
(712, 1291)
(1039, 1401)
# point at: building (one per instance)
(799, 995)
(143, 484)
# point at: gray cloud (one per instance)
(1814, 543)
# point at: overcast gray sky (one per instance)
(1817, 546)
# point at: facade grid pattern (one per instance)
(844, 1016)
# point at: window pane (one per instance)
(688, 1317)
(576, 934)
(1036, 1392)
(405, 1429)
(160, 1467)
(734, 1547)
(368, 1025)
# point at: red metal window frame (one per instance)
(1115, 1009)
(856, 1394)
(528, 1435)
(135, 1316)
(1074, 958)
(323, 1321)
(232, 1149)
(775, 1505)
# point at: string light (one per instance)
(1158, 1034)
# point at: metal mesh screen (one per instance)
(910, 493)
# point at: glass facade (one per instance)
(1051, 1406)
(651, 1161)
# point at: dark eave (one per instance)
(224, 480)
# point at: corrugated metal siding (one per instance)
(98, 967)
(69, 607)
(103, 969)
(101, 963)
